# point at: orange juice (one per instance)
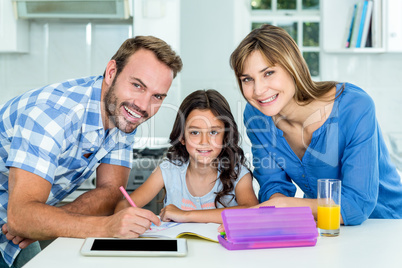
(328, 217)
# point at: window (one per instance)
(300, 18)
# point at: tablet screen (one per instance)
(134, 245)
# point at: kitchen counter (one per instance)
(375, 243)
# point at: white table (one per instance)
(375, 243)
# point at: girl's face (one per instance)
(270, 89)
(203, 136)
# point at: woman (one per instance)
(303, 130)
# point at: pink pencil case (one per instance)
(268, 227)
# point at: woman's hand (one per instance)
(173, 213)
(278, 200)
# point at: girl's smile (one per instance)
(204, 152)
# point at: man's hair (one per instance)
(160, 48)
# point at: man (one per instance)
(55, 137)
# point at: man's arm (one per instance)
(30, 217)
(103, 199)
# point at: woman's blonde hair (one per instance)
(278, 47)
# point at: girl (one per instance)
(303, 130)
(205, 170)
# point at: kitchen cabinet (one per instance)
(394, 23)
(14, 34)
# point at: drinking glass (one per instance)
(329, 207)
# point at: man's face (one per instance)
(137, 93)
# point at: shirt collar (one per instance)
(93, 118)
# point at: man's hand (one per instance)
(18, 240)
(131, 222)
(30, 201)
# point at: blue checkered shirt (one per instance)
(47, 131)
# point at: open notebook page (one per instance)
(207, 231)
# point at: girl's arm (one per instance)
(245, 198)
(146, 192)
(245, 195)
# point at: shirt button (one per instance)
(303, 176)
(92, 149)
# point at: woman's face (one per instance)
(270, 89)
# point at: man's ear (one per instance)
(110, 72)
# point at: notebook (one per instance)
(208, 231)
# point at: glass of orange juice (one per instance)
(329, 207)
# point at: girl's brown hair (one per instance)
(231, 157)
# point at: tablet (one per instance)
(134, 247)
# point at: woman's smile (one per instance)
(269, 100)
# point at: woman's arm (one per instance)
(245, 198)
(146, 192)
(359, 162)
(280, 200)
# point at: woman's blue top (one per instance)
(349, 146)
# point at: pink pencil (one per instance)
(127, 196)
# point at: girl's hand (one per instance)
(221, 228)
(173, 213)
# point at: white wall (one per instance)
(378, 74)
(161, 18)
(207, 40)
(59, 51)
(204, 33)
